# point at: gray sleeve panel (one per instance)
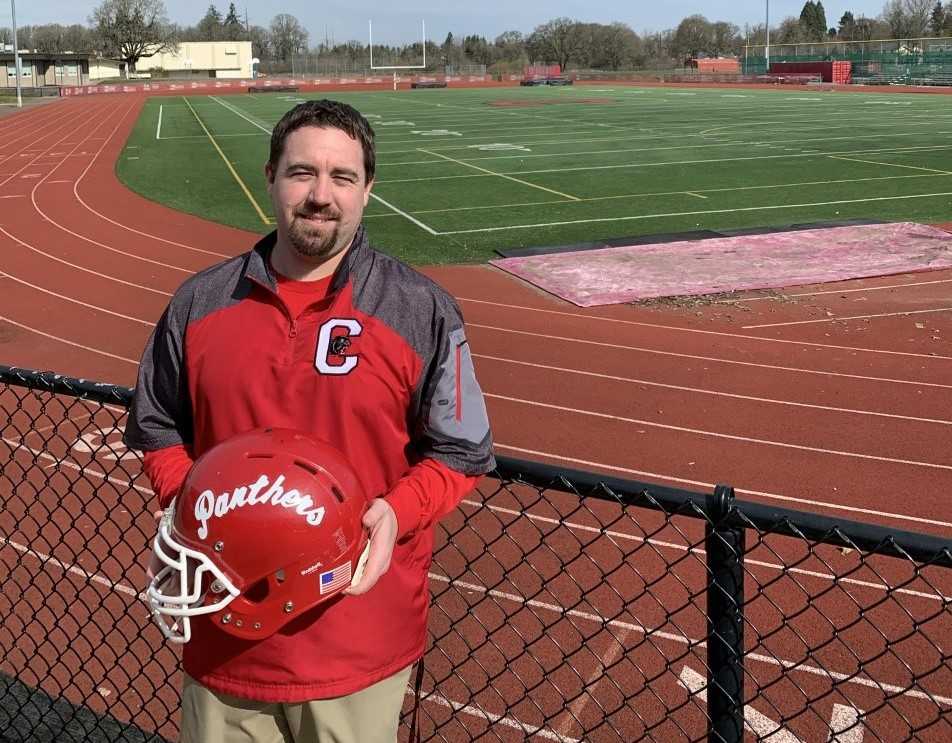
(456, 429)
(161, 412)
(428, 320)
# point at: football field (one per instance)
(461, 172)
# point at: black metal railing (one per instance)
(566, 606)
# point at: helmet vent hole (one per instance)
(259, 455)
(306, 466)
(279, 576)
(258, 592)
(337, 493)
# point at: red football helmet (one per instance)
(266, 526)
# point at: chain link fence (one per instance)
(565, 606)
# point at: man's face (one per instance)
(318, 191)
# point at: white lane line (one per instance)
(662, 215)
(402, 213)
(848, 317)
(14, 196)
(717, 434)
(68, 342)
(736, 362)
(81, 268)
(662, 544)
(848, 291)
(119, 224)
(158, 128)
(501, 175)
(95, 307)
(715, 393)
(799, 502)
(700, 331)
(797, 666)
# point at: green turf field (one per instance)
(462, 172)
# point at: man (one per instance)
(314, 330)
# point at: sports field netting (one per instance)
(463, 172)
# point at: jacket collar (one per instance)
(258, 264)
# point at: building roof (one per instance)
(42, 57)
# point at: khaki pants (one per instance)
(368, 716)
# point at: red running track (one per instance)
(831, 398)
(834, 398)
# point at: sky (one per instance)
(399, 22)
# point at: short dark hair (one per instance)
(326, 114)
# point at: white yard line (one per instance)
(769, 207)
(904, 313)
(158, 127)
(500, 175)
(402, 213)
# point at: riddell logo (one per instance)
(209, 506)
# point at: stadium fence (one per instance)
(565, 606)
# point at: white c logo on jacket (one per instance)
(321, 358)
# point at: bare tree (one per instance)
(288, 36)
(693, 36)
(129, 30)
(560, 40)
(907, 19)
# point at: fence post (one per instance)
(725, 621)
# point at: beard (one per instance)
(312, 241)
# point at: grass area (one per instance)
(463, 172)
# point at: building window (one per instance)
(26, 69)
(71, 70)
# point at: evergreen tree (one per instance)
(210, 28)
(234, 29)
(937, 24)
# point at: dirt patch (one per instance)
(505, 103)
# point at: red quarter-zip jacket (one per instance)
(227, 357)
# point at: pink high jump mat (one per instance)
(623, 274)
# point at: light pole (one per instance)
(16, 53)
(767, 47)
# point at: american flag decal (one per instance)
(331, 580)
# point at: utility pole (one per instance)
(767, 47)
(16, 53)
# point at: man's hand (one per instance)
(381, 522)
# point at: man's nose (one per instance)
(321, 190)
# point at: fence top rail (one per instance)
(60, 384)
(923, 548)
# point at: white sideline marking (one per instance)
(718, 435)
(715, 393)
(500, 175)
(237, 112)
(696, 195)
(158, 127)
(539, 225)
(402, 213)
(700, 331)
(850, 317)
(710, 486)
(891, 165)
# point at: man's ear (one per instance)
(269, 172)
(367, 190)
